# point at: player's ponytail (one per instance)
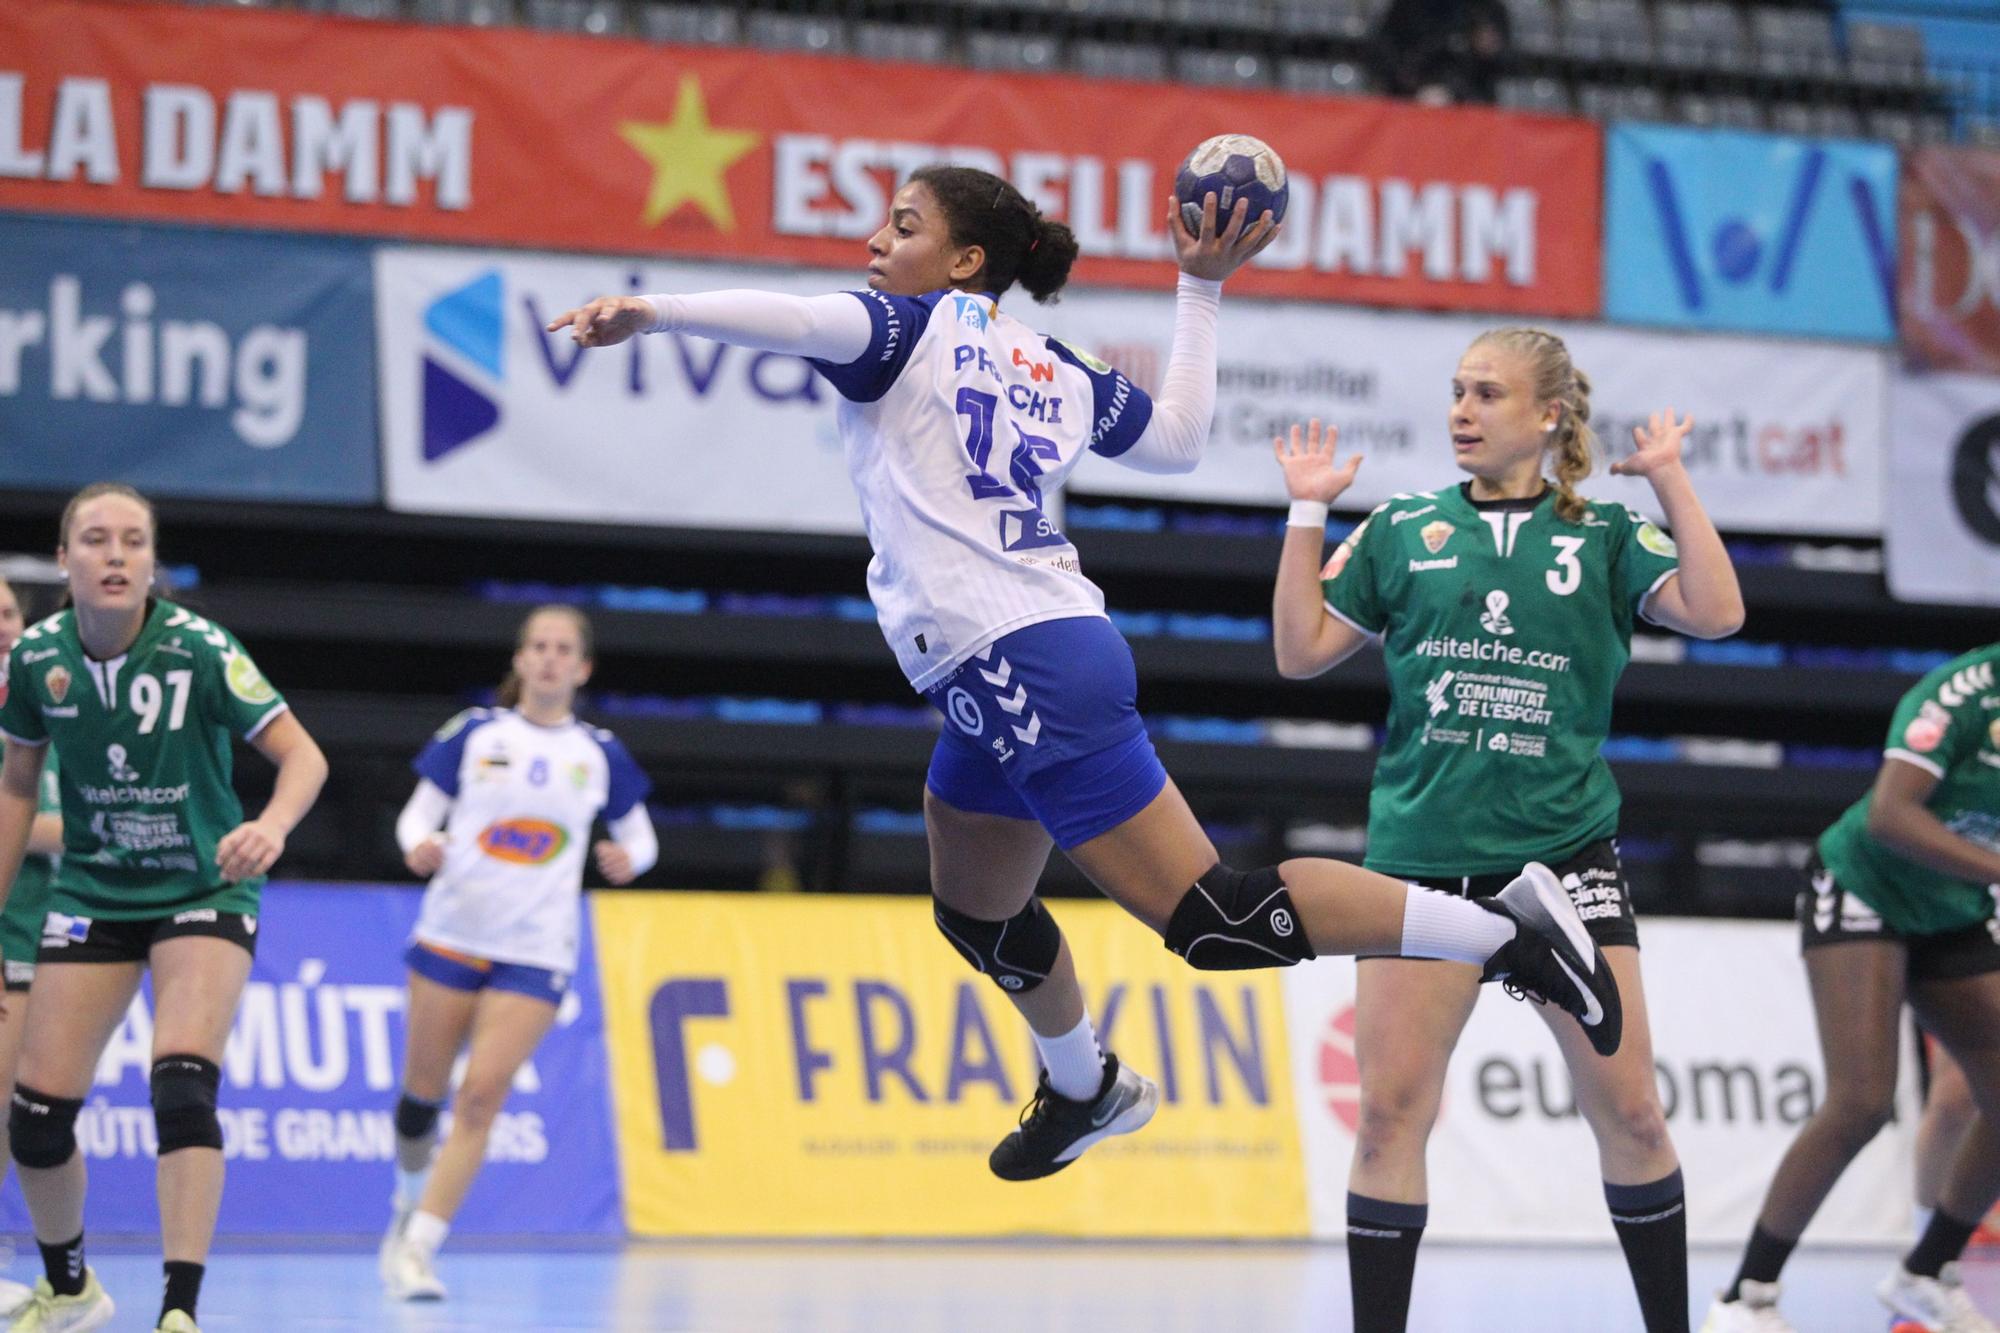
(1046, 267)
(1574, 440)
(1557, 380)
(509, 693)
(1021, 245)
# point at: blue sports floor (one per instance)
(1027, 1287)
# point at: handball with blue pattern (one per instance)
(1232, 167)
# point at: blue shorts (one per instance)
(447, 967)
(1045, 725)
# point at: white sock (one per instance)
(1443, 925)
(425, 1231)
(1075, 1065)
(410, 1187)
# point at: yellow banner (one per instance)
(808, 1066)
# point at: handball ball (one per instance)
(1232, 167)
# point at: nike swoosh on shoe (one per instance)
(1100, 1119)
(1593, 1012)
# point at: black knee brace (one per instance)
(415, 1119)
(1231, 920)
(42, 1128)
(1017, 953)
(184, 1088)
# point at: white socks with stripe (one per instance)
(1442, 925)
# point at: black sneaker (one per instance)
(1055, 1130)
(1552, 957)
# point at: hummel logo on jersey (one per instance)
(1495, 620)
(1966, 683)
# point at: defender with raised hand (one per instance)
(1505, 607)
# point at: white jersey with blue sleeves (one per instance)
(523, 798)
(957, 422)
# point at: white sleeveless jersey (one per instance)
(958, 420)
(523, 798)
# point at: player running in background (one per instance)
(1900, 906)
(1504, 606)
(957, 419)
(21, 921)
(141, 700)
(515, 790)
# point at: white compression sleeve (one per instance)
(633, 831)
(834, 327)
(1185, 405)
(422, 816)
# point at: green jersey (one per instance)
(1949, 726)
(28, 900)
(145, 744)
(1504, 629)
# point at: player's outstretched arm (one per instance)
(833, 328)
(1306, 638)
(1703, 599)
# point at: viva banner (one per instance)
(1512, 1160)
(1949, 279)
(185, 361)
(1943, 538)
(484, 413)
(309, 1087)
(1787, 437)
(624, 147)
(830, 1067)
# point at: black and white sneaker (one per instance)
(1552, 958)
(1055, 1130)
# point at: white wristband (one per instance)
(1307, 514)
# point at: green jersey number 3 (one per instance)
(1567, 576)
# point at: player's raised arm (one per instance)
(1307, 638)
(1185, 406)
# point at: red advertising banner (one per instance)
(585, 144)
(1948, 288)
